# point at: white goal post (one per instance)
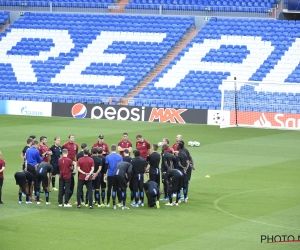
(260, 105)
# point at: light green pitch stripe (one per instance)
(242, 154)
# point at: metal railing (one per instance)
(64, 98)
(197, 10)
(131, 8)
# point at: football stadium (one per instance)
(215, 85)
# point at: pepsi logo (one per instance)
(79, 110)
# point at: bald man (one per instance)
(175, 145)
(175, 149)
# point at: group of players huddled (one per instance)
(104, 171)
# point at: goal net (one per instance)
(260, 105)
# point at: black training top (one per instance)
(127, 159)
(153, 160)
(139, 165)
(56, 152)
(44, 167)
(166, 157)
(122, 169)
(97, 162)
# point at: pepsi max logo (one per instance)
(79, 110)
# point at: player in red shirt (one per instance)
(66, 165)
(124, 144)
(85, 169)
(166, 141)
(72, 148)
(175, 145)
(43, 148)
(143, 146)
(2, 168)
(101, 144)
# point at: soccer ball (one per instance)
(217, 118)
(159, 143)
(194, 143)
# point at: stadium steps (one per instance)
(122, 4)
(6, 26)
(165, 62)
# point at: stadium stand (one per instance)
(229, 48)
(94, 55)
(204, 5)
(89, 58)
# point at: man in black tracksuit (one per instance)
(166, 164)
(188, 172)
(42, 172)
(121, 178)
(154, 160)
(174, 179)
(96, 180)
(127, 158)
(102, 176)
(183, 166)
(139, 166)
(152, 192)
(24, 179)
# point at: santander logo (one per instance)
(262, 122)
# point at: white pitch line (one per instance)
(242, 218)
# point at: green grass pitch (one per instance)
(253, 191)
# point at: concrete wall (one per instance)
(14, 15)
(200, 21)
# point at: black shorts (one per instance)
(138, 182)
(102, 182)
(119, 183)
(154, 177)
(31, 169)
(175, 184)
(42, 177)
(97, 182)
(20, 179)
(55, 170)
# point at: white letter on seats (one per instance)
(95, 53)
(192, 60)
(288, 63)
(21, 63)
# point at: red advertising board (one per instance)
(264, 119)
